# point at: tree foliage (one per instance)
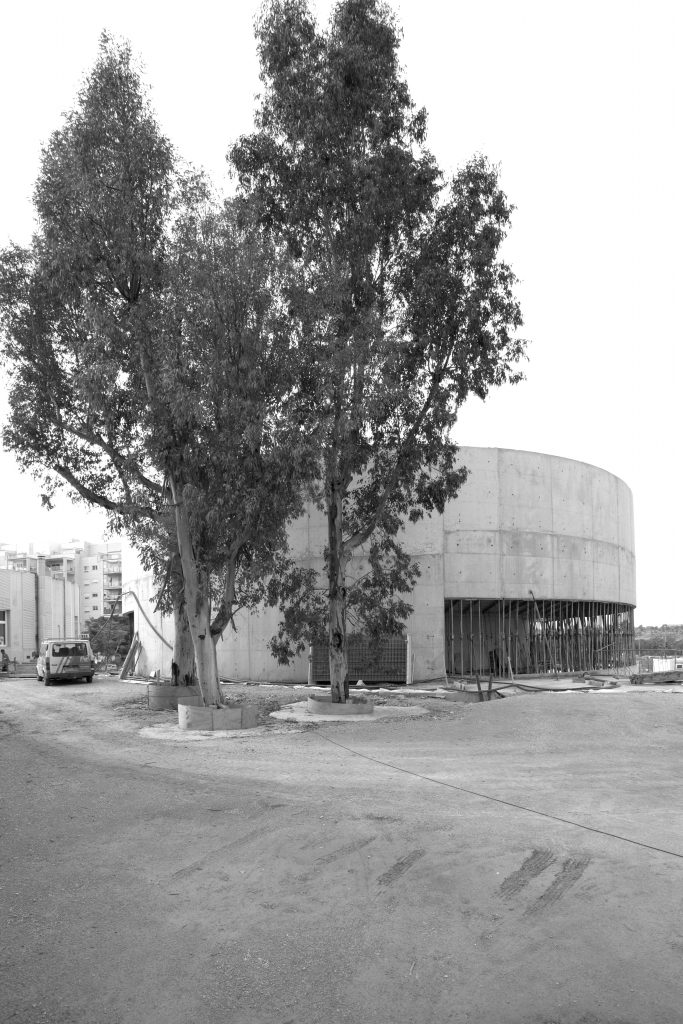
(402, 304)
(109, 635)
(150, 357)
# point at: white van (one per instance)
(65, 659)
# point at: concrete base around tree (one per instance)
(203, 719)
(165, 697)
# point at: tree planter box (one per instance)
(212, 719)
(322, 705)
(164, 697)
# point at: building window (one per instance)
(4, 628)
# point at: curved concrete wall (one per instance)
(522, 521)
(525, 520)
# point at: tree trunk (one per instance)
(338, 647)
(182, 668)
(198, 605)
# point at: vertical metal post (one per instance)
(462, 643)
(471, 638)
(452, 665)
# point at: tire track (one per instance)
(400, 867)
(234, 844)
(534, 864)
(342, 851)
(569, 874)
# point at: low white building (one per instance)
(33, 607)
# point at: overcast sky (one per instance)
(579, 103)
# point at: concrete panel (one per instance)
(471, 542)
(472, 575)
(478, 514)
(627, 576)
(605, 554)
(573, 581)
(572, 497)
(244, 653)
(522, 573)
(476, 506)
(431, 571)
(579, 549)
(525, 499)
(626, 533)
(423, 537)
(524, 544)
(606, 580)
(605, 507)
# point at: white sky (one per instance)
(579, 103)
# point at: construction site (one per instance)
(512, 638)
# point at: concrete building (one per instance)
(34, 606)
(530, 570)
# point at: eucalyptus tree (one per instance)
(150, 356)
(402, 303)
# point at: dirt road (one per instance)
(514, 862)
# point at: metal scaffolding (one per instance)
(536, 636)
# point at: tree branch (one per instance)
(93, 498)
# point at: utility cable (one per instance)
(500, 800)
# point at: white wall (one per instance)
(154, 629)
(58, 608)
(56, 613)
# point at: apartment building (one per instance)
(96, 571)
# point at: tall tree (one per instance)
(402, 303)
(150, 355)
(105, 192)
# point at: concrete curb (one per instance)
(202, 719)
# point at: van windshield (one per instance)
(69, 650)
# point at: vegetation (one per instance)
(401, 304)
(148, 359)
(109, 635)
(659, 640)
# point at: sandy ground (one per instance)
(513, 862)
